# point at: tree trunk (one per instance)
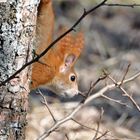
(17, 33)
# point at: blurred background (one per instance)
(112, 41)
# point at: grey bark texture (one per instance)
(17, 34)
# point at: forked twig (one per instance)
(87, 127)
(92, 85)
(127, 69)
(58, 123)
(105, 133)
(119, 85)
(131, 98)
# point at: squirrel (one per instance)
(55, 70)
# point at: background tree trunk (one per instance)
(17, 33)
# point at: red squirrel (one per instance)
(55, 70)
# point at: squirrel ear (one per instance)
(69, 59)
(68, 62)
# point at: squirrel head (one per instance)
(68, 49)
(65, 81)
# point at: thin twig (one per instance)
(92, 85)
(131, 98)
(87, 127)
(122, 5)
(114, 100)
(136, 75)
(84, 126)
(66, 135)
(125, 74)
(39, 61)
(132, 77)
(98, 124)
(46, 104)
(105, 133)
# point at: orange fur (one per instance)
(47, 71)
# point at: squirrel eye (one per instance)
(72, 78)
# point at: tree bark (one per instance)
(17, 34)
